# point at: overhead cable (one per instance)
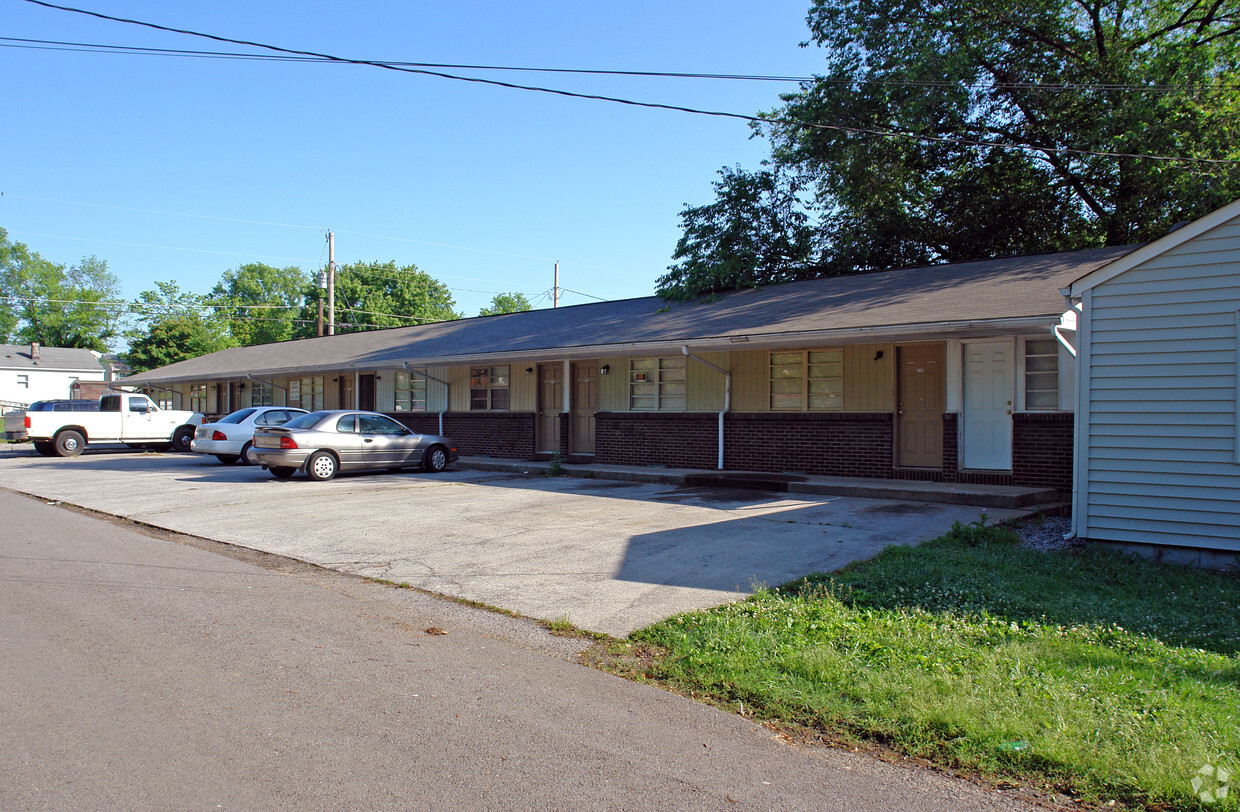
(855, 130)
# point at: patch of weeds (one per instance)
(563, 627)
(557, 465)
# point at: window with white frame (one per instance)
(23, 381)
(657, 384)
(807, 380)
(488, 388)
(1041, 373)
(311, 393)
(410, 392)
(198, 397)
(262, 393)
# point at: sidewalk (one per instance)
(905, 490)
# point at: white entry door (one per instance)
(988, 371)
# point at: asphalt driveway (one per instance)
(608, 556)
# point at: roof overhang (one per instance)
(931, 331)
(1147, 252)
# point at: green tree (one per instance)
(1059, 78)
(170, 327)
(259, 303)
(755, 233)
(55, 305)
(374, 295)
(514, 302)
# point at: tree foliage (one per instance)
(375, 295)
(755, 233)
(514, 302)
(1151, 77)
(172, 325)
(54, 305)
(260, 303)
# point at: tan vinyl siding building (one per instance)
(1157, 456)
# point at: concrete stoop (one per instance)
(952, 493)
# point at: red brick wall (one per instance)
(1042, 450)
(490, 434)
(811, 442)
(678, 439)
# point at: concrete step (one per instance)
(953, 493)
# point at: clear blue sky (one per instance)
(94, 143)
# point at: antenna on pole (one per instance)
(555, 287)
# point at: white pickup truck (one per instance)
(122, 418)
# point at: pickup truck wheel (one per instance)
(280, 472)
(322, 466)
(69, 443)
(183, 439)
(227, 459)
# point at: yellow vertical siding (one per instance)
(613, 389)
(869, 382)
(751, 381)
(703, 385)
(523, 390)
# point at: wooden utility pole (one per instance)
(331, 283)
(322, 287)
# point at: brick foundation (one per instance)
(1042, 450)
(491, 434)
(829, 444)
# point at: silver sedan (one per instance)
(325, 443)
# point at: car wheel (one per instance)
(246, 459)
(183, 439)
(322, 466)
(436, 459)
(69, 443)
(280, 472)
(227, 459)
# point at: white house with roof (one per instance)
(29, 372)
(1157, 462)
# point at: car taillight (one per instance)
(288, 442)
(219, 435)
(27, 421)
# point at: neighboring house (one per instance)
(29, 372)
(1158, 435)
(951, 373)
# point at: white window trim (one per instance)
(1020, 405)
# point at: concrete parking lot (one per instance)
(606, 555)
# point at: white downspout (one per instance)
(1076, 311)
(727, 394)
(447, 391)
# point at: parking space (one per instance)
(608, 556)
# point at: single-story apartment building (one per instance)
(962, 373)
(29, 372)
(1158, 396)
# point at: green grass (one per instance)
(1087, 673)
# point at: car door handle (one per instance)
(368, 439)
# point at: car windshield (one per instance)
(305, 421)
(238, 416)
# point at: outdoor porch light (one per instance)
(529, 370)
(604, 369)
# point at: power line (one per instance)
(136, 50)
(291, 225)
(1042, 150)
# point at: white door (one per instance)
(988, 371)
